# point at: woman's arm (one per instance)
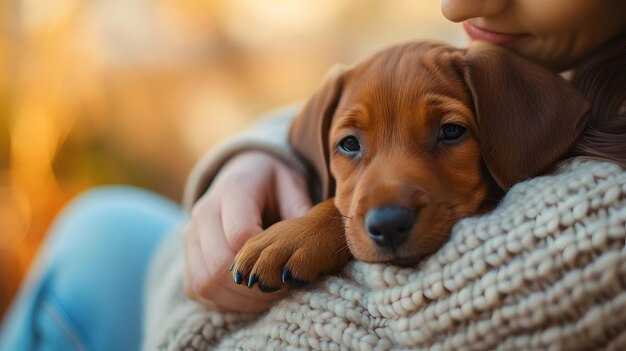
(227, 193)
(231, 194)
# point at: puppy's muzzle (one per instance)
(390, 226)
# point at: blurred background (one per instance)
(133, 91)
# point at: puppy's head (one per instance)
(424, 134)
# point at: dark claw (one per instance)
(298, 283)
(267, 289)
(286, 275)
(253, 279)
(238, 278)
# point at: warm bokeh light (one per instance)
(133, 91)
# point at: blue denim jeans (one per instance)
(85, 289)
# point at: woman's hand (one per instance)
(250, 186)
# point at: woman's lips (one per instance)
(503, 39)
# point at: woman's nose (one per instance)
(461, 10)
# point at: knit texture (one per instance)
(545, 270)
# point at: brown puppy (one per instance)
(408, 143)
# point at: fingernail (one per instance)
(253, 279)
(238, 278)
(232, 265)
(266, 289)
(286, 275)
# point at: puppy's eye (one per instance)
(451, 132)
(349, 145)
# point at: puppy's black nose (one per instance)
(389, 226)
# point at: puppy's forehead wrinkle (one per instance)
(351, 118)
(394, 83)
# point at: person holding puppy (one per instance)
(231, 191)
(559, 35)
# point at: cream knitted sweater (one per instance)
(544, 270)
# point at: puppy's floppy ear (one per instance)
(310, 130)
(528, 117)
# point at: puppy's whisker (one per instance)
(342, 247)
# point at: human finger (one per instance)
(292, 193)
(241, 218)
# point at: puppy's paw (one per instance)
(290, 252)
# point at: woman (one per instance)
(54, 312)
